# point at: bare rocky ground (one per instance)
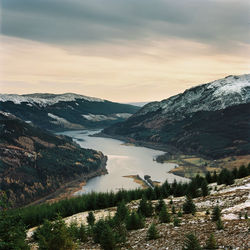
(233, 200)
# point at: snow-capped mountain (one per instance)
(44, 99)
(65, 111)
(212, 119)
(217, 95)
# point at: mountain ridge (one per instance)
(196, 121)
(35, 163)
(65, 111)
(218, 94)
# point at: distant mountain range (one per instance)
(65, 111)
(211, 119)
(138, 104)
(35, 163)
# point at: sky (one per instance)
(121, 50)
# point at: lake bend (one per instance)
(123, 160)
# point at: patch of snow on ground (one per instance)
(232, 189)
(123, 115)
(239, 207)
(59, 120)
(98, 118)
(230, 217)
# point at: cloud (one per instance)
(129, 72)
(123, 50)
(224, 24)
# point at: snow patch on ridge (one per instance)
(46, 99)
(59, 120)
(98, 118)
(217, 95)
(230, 85)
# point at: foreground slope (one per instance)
(233, 200)
(35, 163)
(65, 111)
(212, 120)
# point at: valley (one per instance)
(35, 163)
(124, 125)
(233, 201)
(122, 160)
(67, 111)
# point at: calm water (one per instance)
(122, 160)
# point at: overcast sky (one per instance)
(121, 50)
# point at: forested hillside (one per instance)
(34, 163)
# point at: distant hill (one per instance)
(35, 163)
(138, 104)
(212, 119)
(65, 111)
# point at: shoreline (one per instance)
(70, 188)
(130, 141)
(137, 180)
(165, 149)
(188, 165)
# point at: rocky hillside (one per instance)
(35, 163)
(234, 201)
(65, 111)
(211, 120)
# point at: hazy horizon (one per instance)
(123, 51)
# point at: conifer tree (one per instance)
(55, 235)
(159, 206)
(214, 178)
(122, 212)
(243, 172)
(235, 173)
(83, 234)
(120, 233)
(189, 206)
(219, 224)
(164, 216)
(173, 210)
(152, 232)
(91, 218)
(225, 177)
(73, 230)
(176, 221)
(211, 242)
(150, 209)
(191, 243)
(204, 188)
(145, 207)
(209, 177)
(12, 229)
(179, 214)
(216, 214)
(107, 238)
(97, 230)
(134, 221)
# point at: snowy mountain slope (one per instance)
(46, 99)
(65, 111)
(219, 94)
(211, 119)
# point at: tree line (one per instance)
(111, 230)
(198, 186)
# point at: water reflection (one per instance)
(122, 160)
